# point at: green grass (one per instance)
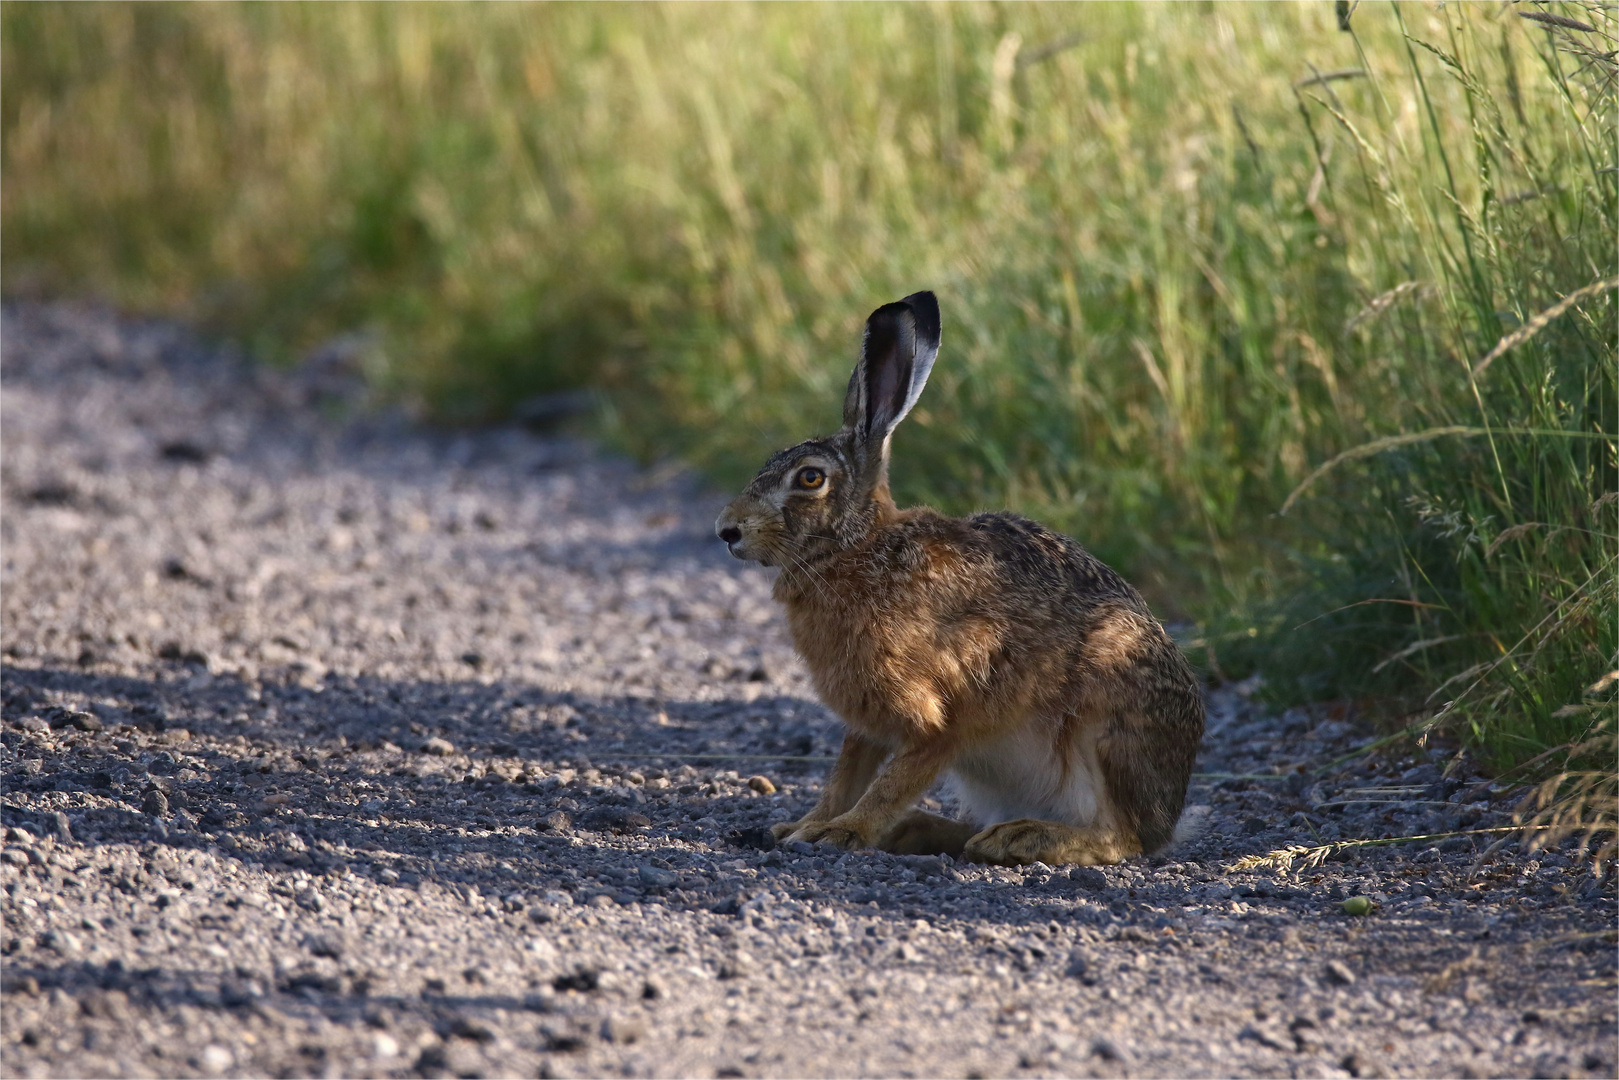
(1186, 253)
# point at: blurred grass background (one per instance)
(1187, 254)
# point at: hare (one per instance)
(988, 648)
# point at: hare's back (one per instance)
(1039, 567)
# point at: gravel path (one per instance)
(355, 749)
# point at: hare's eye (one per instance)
(810, 478)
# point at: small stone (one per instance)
(759, 837)
(432, 1060)
(762, 785)
(582, 981)
(384, 1046)
(438, 747)
(654, 878)
(1254, 1033)
(73, 718)
(1088, 877)
(1338, 972)
(15, 856)
(1106, 1049)
(309, 900)
(466, 1027)
(619, 819)
(216, 1059)
(1079, 966)
(388, 876)
(324, 945)
(233, 993)
(62, 942)
(623, 1030)
(86, 721)
(61, 827)
(558, 898)
(155, 803)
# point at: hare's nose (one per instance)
(730, 534)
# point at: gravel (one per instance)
(334, 745)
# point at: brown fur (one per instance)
(948, 643)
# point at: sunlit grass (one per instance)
(1186, 253)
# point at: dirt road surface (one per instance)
(334, 746)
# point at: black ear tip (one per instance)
(925, 309)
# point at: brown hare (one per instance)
(988, 647)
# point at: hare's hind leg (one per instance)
(922, 833)
(1028, 840)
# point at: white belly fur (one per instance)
(1020, 776)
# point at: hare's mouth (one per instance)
(748, 553)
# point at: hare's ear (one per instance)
(902, 340)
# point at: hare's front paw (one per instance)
(782, 829)
(840, 831)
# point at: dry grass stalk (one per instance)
(1383, 302)
(1583, 799)
(1547, 19)
(1282, 859)
(1321, 78)
(1539, 322)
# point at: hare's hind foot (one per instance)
(922, 833)
(1027, 840)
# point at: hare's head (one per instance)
(826, 493)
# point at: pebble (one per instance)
(654, 878)
(1106, 1049)
(438, 747)
(762, 785)
(622, 1030)
(155, 803)
(216, 1059)
(1338, 972)
(1088, 877)
(324, 944)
